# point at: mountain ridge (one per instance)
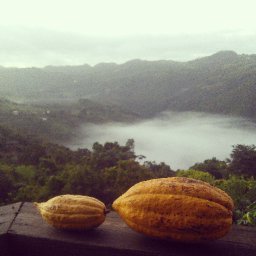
(224, 82)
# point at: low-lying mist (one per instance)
(179, 139)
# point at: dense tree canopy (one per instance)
(213, 166)
(243, 160)
(32, 170)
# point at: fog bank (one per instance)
(178, 139)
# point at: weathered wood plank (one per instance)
(30, 235)
(7, 216)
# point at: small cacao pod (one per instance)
(73, 212)
(176, 208)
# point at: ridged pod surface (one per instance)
(73, 212)
(176, 208)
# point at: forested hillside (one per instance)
(222, 83)
(57, 122)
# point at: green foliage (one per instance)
(109, 154)
(122, 176)
(159, 170)
(7, 183)
(33, 170)
(26, 193)
(80, 179)
(199, 175)
(249, 217)
(215, 167)
(243, 160)
(241, 190)
(6, 188)
(25, 173)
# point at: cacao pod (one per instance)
(73, 212)
(176, 208)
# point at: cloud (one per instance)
(41, 47)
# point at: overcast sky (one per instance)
(73, 32)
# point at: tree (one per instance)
(130, 144)
(159, 170)
(213, 166)
(243, 160)
(119, 178)
(194, 174)
(109, 154)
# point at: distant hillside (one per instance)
(57, 122)
(222, 83)
(228, 88)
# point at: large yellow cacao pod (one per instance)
(73, 212)
(176, 208)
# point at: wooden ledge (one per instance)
(23, 232)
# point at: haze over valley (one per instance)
(180, 139)
(144, 100)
